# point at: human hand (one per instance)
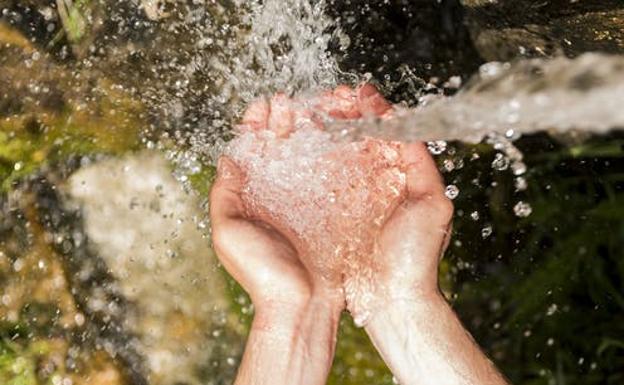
(362, 278)
(293, 335)
(413, 239)
(296, 313)
(344, 170)
(257, 255)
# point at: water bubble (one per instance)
(518, 168)
(449, 165)
(521, 184)
(451, 191)
(437, 147)
(552, 309)
(510, 133)
(500, 162)
(474, 215)
(79, 319)
(18, 265)
(522, 209)
(486, 231)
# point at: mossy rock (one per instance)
(48, 111)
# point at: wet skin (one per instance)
(297, 308)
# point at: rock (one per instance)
(48, 110)
(144, 226)
(506, 29)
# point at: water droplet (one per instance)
(451, 191)
(436, 147)
(522, 209)
(552, 309)
(79, 318)
(449, 165)
(486, 231)
(500, 162)
(518, 168)
(521, 184)
(474, 215)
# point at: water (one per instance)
(128, 277)
(559, 96)
(331, 198)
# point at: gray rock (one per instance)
(506, 29)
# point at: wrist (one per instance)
(384, 297)
(397, 302)
(283, 315)
(293, 341)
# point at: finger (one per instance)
(304, 117)
(370, 102)
(281, 117)
(225, 200)
(423, 177)
(256, 117)
(344, 103)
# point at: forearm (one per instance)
(424, 343)
(290, 345)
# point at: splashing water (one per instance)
(333, 190)
(277, 46)
(286, 50)
(333, 198)
(559, 95)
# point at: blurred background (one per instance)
(111, 116)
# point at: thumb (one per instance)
(423, 177)
(371, 103)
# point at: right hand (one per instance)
(415, 236)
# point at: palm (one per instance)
(259, 257)
(416, 234)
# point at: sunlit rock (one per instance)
(144, 226)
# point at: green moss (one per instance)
(18, 363)
(30, 141)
